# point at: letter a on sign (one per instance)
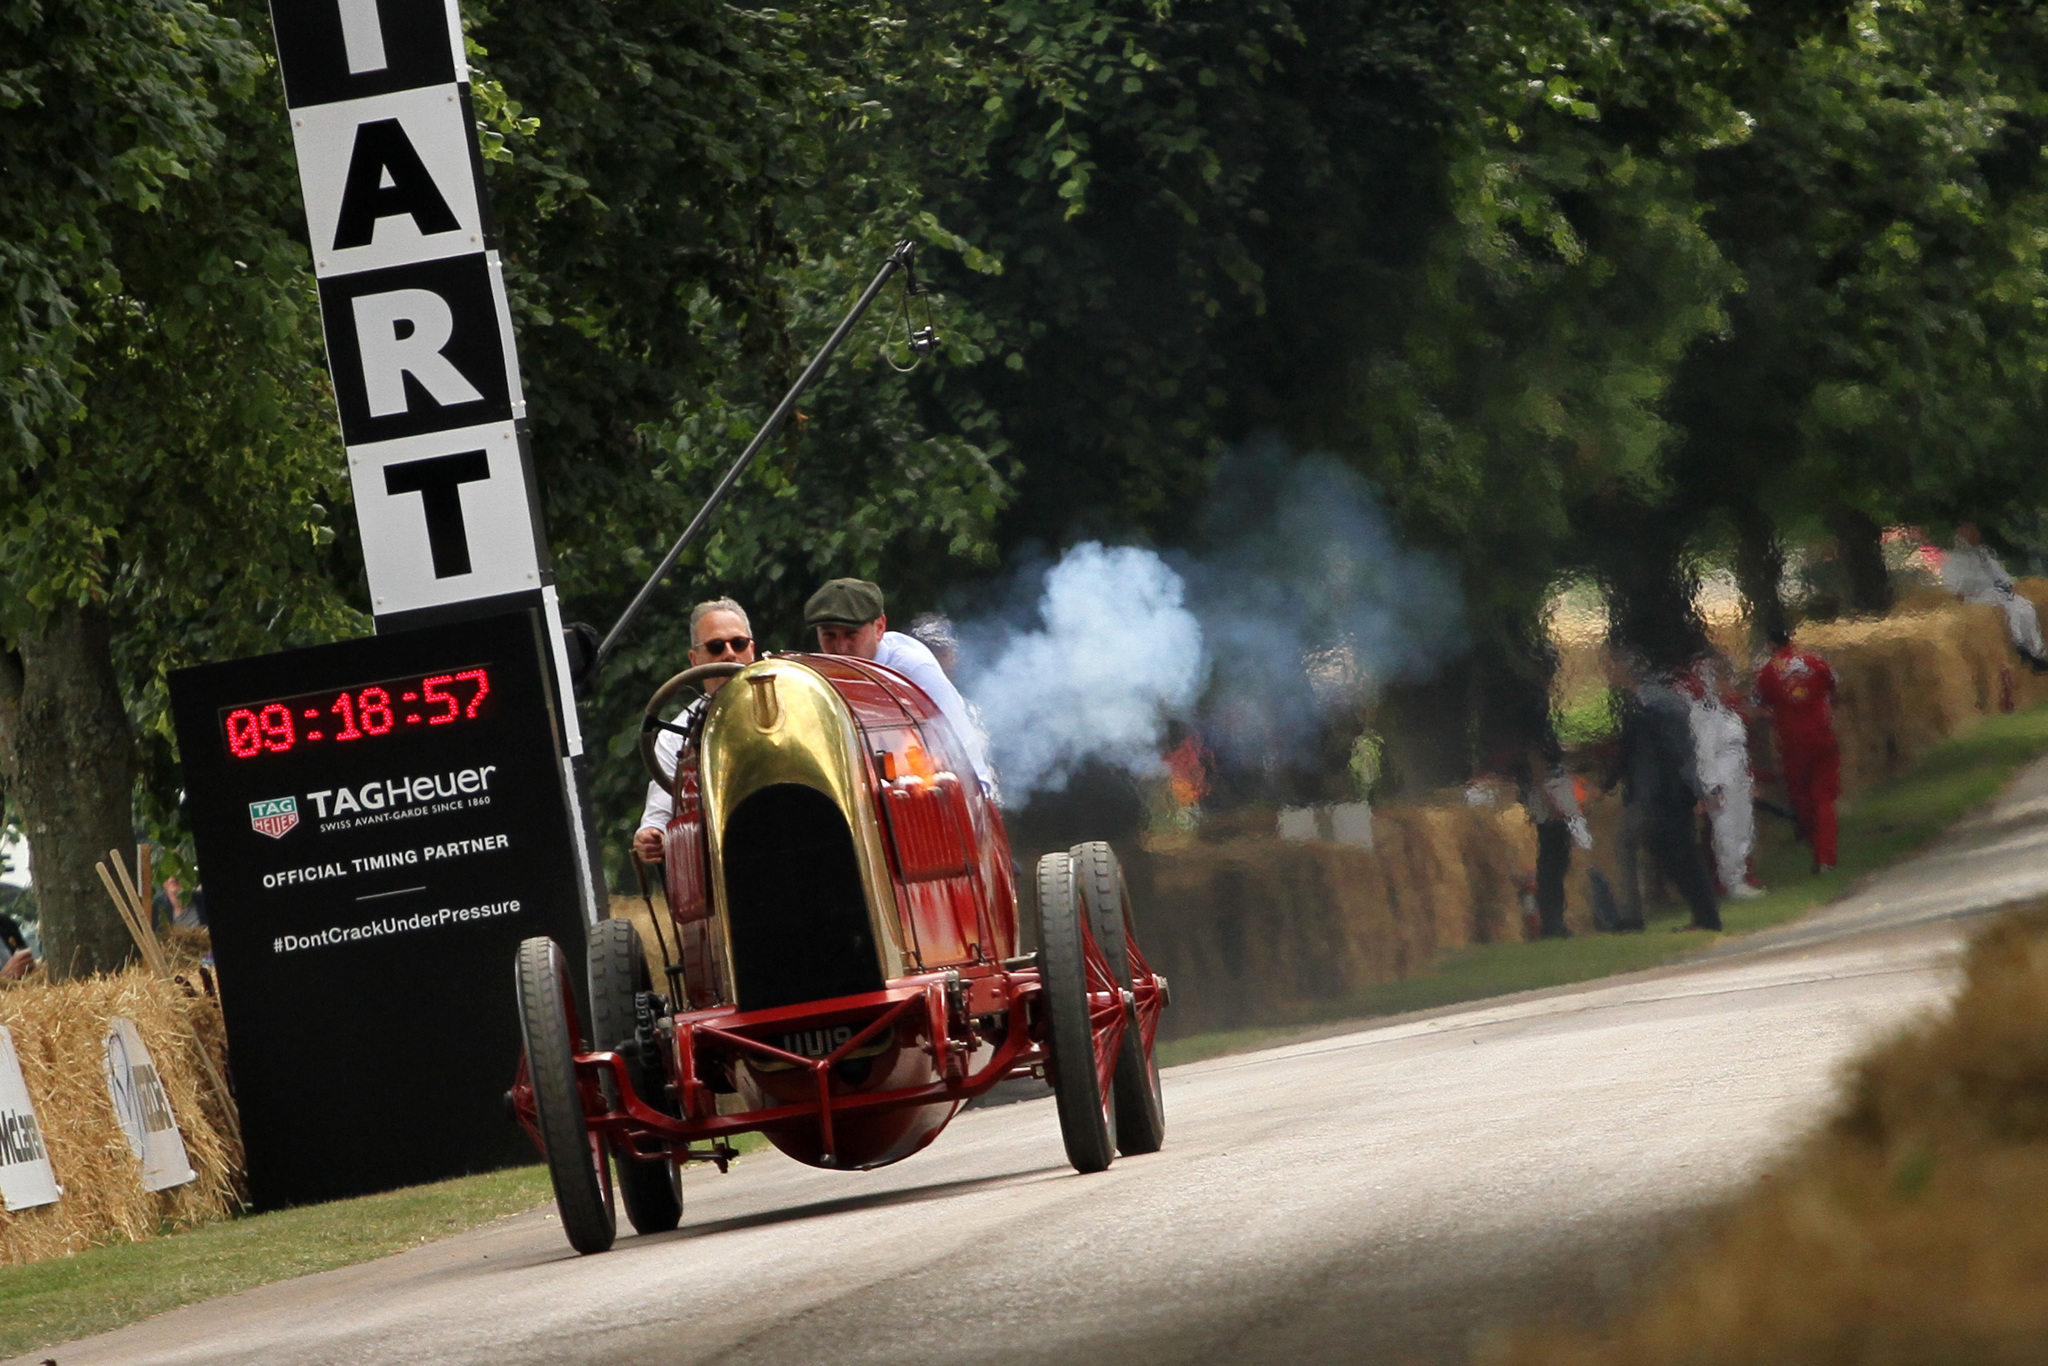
(386, 178)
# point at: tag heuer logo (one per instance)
(276, 817)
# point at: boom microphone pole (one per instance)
(899, 259)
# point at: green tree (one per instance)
(168, 443)
(1884, 358)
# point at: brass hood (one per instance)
(779, 721)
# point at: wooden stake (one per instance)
(135, 914)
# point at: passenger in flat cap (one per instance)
(719, 634)
(848, 616)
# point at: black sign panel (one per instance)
(379, 823)
(415, 349)
(345, 49)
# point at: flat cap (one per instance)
(843, 602)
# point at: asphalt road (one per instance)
(1391, 1194)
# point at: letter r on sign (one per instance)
(403, 332)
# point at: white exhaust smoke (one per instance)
(1301, 604)
(1112, 654)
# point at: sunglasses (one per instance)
(719, 647)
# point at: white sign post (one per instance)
(26, 1178)
(144, 1109)
(419, 330)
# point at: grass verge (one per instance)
(1908, 1230)
(1887, 823)
(108, 1287)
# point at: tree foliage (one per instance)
(1568, 280)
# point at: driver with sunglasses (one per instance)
(719, 634)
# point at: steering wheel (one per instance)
(650, 720)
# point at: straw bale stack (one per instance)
(59, 1032)
(1913, 679)
(1249, 928)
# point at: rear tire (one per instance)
(576, 1156)
(1086, 1113)
(1140, 1110)
(651, 1191)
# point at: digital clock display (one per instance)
(388, 707)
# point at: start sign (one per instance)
(380, 823)
(419, 333)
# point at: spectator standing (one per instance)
(1551, 798)
(1799, 689)
(173, 910)
(15, 958)
(1973, 573)
(1721, 756)
(1660, 771)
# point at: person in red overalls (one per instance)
(1799, 688)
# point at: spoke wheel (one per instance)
(1072, 970)
(576, 1156)
(1140, 1110)
(652, 1192)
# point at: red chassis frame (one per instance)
(952, 1001)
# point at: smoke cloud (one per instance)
(1310, 604)
(1113, 652)
(1298, 602)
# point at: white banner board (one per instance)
(26, 1178)
(144, 1109)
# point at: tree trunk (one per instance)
(1650, 585)
(70, 767)
(1759, 569)
(1859, 549)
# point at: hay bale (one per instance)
(1911, 680)
(1251, 930)
(59, 1032)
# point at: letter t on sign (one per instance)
(438, 481)
(362, 36)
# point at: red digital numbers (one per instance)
(253, 732)
(433, 691)
(373, 706)
(269, 728)
(245, 737)
(483, 689)
(276, 721)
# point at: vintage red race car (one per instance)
(842, 968)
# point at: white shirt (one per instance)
(667, 747)
(1720, 742)
(1973, 573)
(914, 659)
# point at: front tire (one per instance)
(651, 1191)
(576, 1156)
(1086, 1108)
(1140, 1109)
